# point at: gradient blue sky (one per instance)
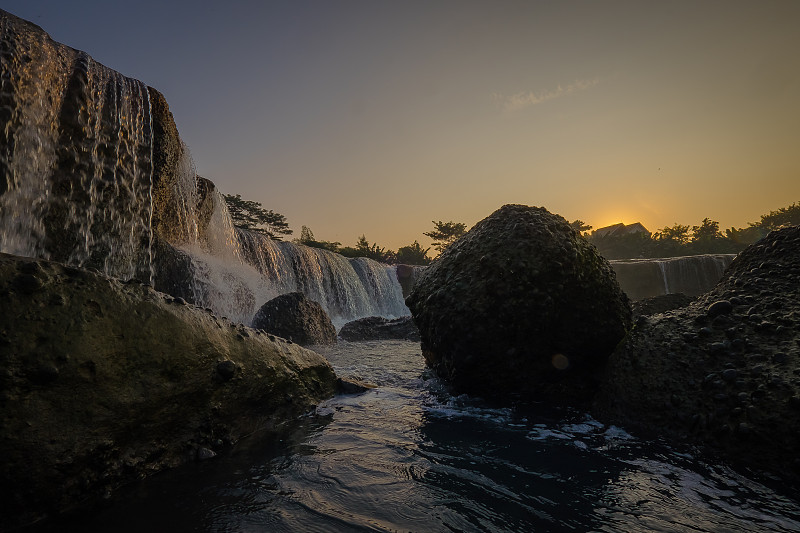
(376, 117)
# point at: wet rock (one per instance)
(226, 369)
(296, 318)
(352, 385)
(204, 454)
(740, 360)
(379, 328)
(520, 306)
(720, 307)
(660, 304)
(91, 402)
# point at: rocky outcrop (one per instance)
(407, 275)
(520, 306)
(374, 328)
(660, 304)
(169, 214)
(724, 370)
(103, 382)
(92, 163)
(295, 317)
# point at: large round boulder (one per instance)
(293, 316)
(723, 370)
(520, 306)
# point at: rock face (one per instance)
(104, 382)
(92, 166)
(295, 317)
(407, 275)
(660, 304)
(520, 306)
(374, 328)
(725, 370)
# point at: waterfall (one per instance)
(93, 173)
(691, 275)
(76, 157)
(662, 265)
(235, 271)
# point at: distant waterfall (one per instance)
(75, 157)
(691, 275)
(234, 272)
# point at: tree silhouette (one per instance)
(249, 215)
(413, 254)
(445, 233)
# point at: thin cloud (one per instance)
(520, 101)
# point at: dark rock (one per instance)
(352, 385)
(226, 369)
(407, 275)
(743, 364)
(379, 328)
(661, 304)
(205, 453)
(520, 306)
(124, 393)
(721, 307)
(295, 317)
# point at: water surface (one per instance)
(408, 456)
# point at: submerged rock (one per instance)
(293, 316)
(104, 382)
(722, 371)
(520, 306)
(374, 328)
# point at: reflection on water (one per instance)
(408, 456)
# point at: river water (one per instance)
(408, 456)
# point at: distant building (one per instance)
(620, 229)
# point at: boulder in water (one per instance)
(723, 370)
(520, 306)
(295, 317)
(104, 382)
(374, 328)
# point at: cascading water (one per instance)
(236, 271)
(76, 158)
(95, 175)
(690, 275)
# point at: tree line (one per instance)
(679, 239)
(671, 241)
(250, 215)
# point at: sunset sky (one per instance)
(378, 117)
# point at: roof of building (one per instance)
(620, 229)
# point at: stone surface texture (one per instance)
(373, 328)
(103, 382)
(293, 316)
(723, 371)
(521, 306)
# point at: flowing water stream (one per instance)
(409, 456)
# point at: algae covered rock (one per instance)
(723, 370)
(293, 316)
(103, 382)
(520, 306)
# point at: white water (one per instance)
(691, 275)
(237, 271)
(77, 186)
(82, 187)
